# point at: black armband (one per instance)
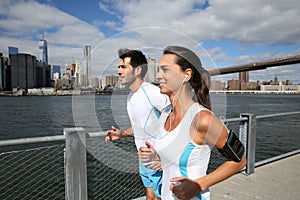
(233, 148)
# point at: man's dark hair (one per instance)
(138, 59)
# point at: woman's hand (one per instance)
(184, 188)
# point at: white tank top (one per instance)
(179, 155)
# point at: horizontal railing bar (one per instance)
(260, 116)
(99, 134)
(96, 134)
(275, 158)
(43, 139)
(238, 119)
(277, 114)
(32, 140)
(21, 141)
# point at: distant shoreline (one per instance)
(67, 93)
(125, 92)
(252, 92)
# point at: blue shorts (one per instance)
(151, 178)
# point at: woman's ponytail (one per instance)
(201, 83)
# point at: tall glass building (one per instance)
(43, 51)
(13, 50)
(151, 73)
(56, 69)
(87, 65)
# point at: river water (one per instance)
(32, 116)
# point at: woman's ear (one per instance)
(188, 74)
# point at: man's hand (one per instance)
(113, 134)
(155, 165)
(147, 155)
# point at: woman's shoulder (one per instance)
(203, 119)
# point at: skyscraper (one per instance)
(77, 73)
(5, 73)
(151, 73)
(55, 70)
(276, 78)
(43, 51)
(87, 65)
(26, 72)
(13, 50)
(1, 71)
(244, 77)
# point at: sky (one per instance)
(223, 33)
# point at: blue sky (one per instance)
(223, 33)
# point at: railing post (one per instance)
(75, 164)
(251, 142)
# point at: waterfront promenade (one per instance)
(276, 180)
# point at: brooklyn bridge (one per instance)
(256, 65)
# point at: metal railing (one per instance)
(79, 165)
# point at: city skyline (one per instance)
(222, 33)
(150, 76)
(81, 77)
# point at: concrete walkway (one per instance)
(278, 180)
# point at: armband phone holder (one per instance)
(233, 148)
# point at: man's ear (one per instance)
(138, 71)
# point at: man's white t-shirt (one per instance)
(142, 107)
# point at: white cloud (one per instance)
(106, 7)
(23, 23)
(283, 73)
(256, 23)
(274, 22)
(249, 23)
(24, 45)
(29, 16)
(32, 19)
